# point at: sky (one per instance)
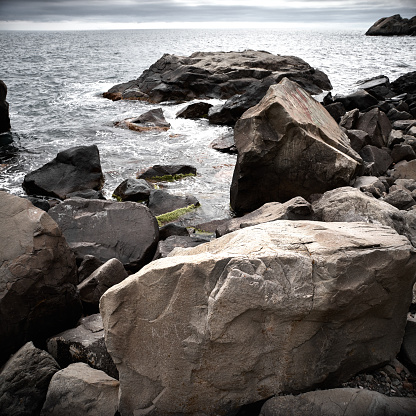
(130, 14)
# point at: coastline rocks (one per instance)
(161, 202)
(167, 172)
(149, 121)
(377, 125)
(405, 84)
(339, 402)
(4, 109)
(393, 26)
(195, 111)
(232, 321)
(225, 143)
(221, 75)
(38, 295)
(86, 344)
(79, 390)
(24, 381)
(135, 190)
(74, 169)
(127, 231)
(288, 145)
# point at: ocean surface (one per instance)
(55, 83)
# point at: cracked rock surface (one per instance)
(232, 321)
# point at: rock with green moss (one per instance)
(174, 215)
(167, 173)
(161, 202)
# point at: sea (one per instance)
(56, 79)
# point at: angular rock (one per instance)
(408, 350)
(379, 158)
(161, 202)
(127, 231)
(337, 110)
(24, 381)
(93, 287)
(394, 115)
(339, 402)
(404, 170)
(149, 121)
(74, 169)
(88, 265)
(217, 75)
(395, 137)
(79, 390)
(136, 190)
(377, 125)
(400, 198)
(288, 145)
(166, 246)
(86, 344)
(167, 172)
(38, 295)
(370, 184)
(402, 152)
(409, 184)
(403, 124)
(405, 83)
(230, 322)
(4, 109)
(360, 99)
(171, 229)
(294, 209)
(349, 120)
(393, 26)
(195, 111)
(225, 143)
(358, 139)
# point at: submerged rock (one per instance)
(149, 121)
(393, 26)
(160, 173)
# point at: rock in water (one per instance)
(149, 121)
(4, 109)
(281, 306)
(288, 145)
(393, 26)
(74, 169)
(38, 276)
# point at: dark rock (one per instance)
(408, 350)
(161, 202)
(167, 172)
(195, 111)
(217, 75)
(405, 84)
(402, 106)
(402, 152)
(349, 120)
(75, 169)
(370, 184)
(225, 143)
(336, 110)
(136, 190)
(93, 287)
(172, 229)
(377, 81)
(149, 121)
(400, 198)
(87, 194)
(39, 202)
(38, 295)
(377, 125)
(4, 109)
(24, 381)
(339, 402)
(294, 209)
(108, 229)
(278, 143)
(358, 139)
(380, 158)
(209, 227)
(360, 99)
(393, 26)
(85, 344)
(166, 246)
(88, 265)
(394, 115)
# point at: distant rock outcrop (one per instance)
(4, 109)
(393, 26)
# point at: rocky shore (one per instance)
(303, 303)
(393, 26)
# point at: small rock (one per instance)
(195, 111)
(136, 190)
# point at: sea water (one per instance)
(55, 83)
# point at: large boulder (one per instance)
(405, 83)
(24, 381)
(216, 75)
(339, 402)
(288, 145)
(79, 390)
(393, 26)
(4, 109)
(74, 169)
(38, 276)
(126, 231)
(279, 307)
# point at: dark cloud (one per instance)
(164, 10)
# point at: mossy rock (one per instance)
(174, 215)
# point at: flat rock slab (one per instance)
(127, 231)
(214, 75)
(281, 306)
(339, 402)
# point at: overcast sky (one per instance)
(101, 14)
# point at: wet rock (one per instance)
(167, 172)
(339, 402)
(195, 111)
(93, 287)
(24, 381)
(166, 246)
(72, 170)
(88, 265)
(86, 344)
(377, 125)
(242, 312)
(4, 109)
(279, 141)
(393, 26)
(126, 231)
(294, 209)
(225, 143)
(38, 295)
(79, 390)
(152, 120)
(379, 158)
(161, 202)
(136, 190)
